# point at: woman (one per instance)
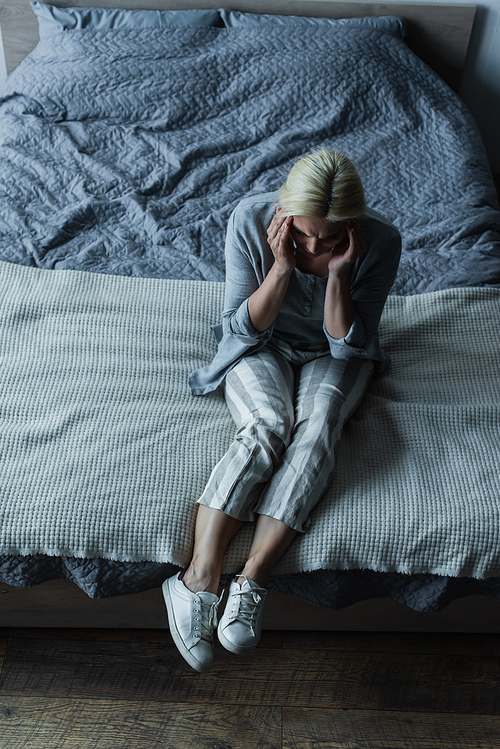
(307, 276)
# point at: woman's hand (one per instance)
(340, 262)
(280, 241)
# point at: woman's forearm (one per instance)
(265, 303)
(339, 309)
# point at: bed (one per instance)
(124, 151)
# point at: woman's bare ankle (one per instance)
(261, 577)
(198, 581)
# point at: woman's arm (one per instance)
(369, 288)
(339, 309)
(265, 303)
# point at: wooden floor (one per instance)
(117, 689)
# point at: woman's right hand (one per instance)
(280, 241)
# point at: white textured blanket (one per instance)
(104, 451)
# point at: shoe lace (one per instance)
(207, 621)
(248, 604)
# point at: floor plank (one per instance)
(3, 646)
(161, 636)
(426, 643)
(35, 723)
(359, 729)
(269, 639)
(268, 677)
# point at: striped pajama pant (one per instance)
(289, 406)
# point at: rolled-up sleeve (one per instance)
(239, 324)
(243, 277)
(353, 344)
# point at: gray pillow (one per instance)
(234, 19)
(52, 20)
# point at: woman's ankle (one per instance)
(198, 581)
(256, 575)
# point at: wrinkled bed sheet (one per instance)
(124, 152)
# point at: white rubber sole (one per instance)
(176, 636)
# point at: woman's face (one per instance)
(315, 236)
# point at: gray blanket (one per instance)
(124, 152)
(105, 451)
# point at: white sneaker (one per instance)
(192, 618)
(240, 626)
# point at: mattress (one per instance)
(124, 153)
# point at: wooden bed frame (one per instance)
(440, 35)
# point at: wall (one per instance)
(3, 69)
(480, 88)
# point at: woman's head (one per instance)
(323, 185)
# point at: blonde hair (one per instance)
(325, 185)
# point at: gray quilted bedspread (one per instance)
(124, 152)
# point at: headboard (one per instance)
(439, 34)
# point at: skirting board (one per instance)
(62, 604)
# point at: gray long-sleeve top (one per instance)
(300, 320)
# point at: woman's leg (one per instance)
(240, 626)
(271, 539)
(259, 395)
(329, 391)
(192, 599)
(213, 532)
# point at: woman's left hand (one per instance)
(340, 262)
